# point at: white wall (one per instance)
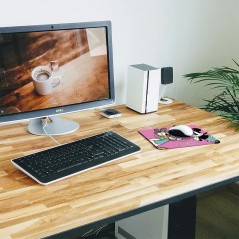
(190, 35)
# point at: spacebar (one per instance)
(70, 166)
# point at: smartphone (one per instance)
(110, 113)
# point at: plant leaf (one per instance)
(226, 103)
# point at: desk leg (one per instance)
(182, 219)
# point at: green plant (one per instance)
(226, 103)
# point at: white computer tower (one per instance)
(143, 83)
(152, 224)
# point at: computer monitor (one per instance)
(48, 70)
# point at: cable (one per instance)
(44, 122)
(93, 232)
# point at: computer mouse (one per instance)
(181, 130)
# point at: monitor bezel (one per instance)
(59, 110)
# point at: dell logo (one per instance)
(59, 110)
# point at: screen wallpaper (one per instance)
(48, 69)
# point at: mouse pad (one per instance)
(161, 139)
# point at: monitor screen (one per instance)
(55, 69)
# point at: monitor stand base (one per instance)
(55, 126)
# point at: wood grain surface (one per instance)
(29, 210)
(93, 72)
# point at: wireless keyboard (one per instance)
(66, 160)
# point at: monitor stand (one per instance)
(55, 126)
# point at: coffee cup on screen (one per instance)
(43, 80)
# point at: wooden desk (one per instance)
(128, 186)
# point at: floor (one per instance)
(217, 217)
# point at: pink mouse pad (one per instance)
(161, 138)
